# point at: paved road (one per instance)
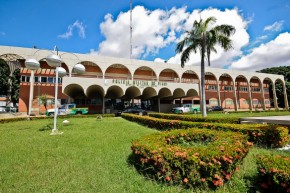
(280, 120)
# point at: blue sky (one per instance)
(102, 27)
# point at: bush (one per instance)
(274, 173)
(192, 157)
(195, 118)
(269, 135)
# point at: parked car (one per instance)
(2, 109)
(215, 108)
(186, 108)
(133, 110)
(10, 109)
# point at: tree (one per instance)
(43, 100)
(4, 82)
(203, 37)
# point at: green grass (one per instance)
(247, 114)
(91, 156)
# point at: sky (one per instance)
(261, 40)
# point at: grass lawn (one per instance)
(91, 156)
(246, 114)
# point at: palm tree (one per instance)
(203, 37)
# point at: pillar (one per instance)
(275, 97)
(263, 96)
(235, 96)
(219, 94)
(285, 97)
(250, 97)
(158, 100)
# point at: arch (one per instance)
(95, 91)
(191, 93)
(226, 83)
(118, 71)
(164, 92)
(149, 92)
(114, 92)
(144, 73)
(92, 70)
(189, 76)
(74, 91)
(242, 91)
(268, 92)
(178, 93)
(132, 92)
(168, 75)
(11, 57)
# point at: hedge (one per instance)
(192, 157)
(7, 120)
(192, 118)
(274, 173)
(268, 135)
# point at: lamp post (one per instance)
(54, 61)
(32, 65)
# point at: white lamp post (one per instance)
(55, 61)
(32, 65)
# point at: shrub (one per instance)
(269, 135)
(192, 157)
(274, 173)
(196, 118)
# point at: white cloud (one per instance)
(152, 30)
(239, 39)
(76, 25)
(156, 29)
(272, 54)
(277, 26)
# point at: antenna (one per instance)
(131, 29)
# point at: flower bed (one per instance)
(192, 157)
(224, 119)
(269, 135)
(274, 173)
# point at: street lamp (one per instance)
(32, 65)
(54, 61)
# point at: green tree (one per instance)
(4, 82)
(43, 100)
(203, 37)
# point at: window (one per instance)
(228, 88)
(43, 79)
(243, 89)
(212, 87)
(229, 101)
(213, 102)
(50, 79)
(246, 102)
(266, 90)
(255, 89)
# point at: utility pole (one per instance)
(131, 28)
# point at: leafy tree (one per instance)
(203, 37)
(43, 99)
(4, 82)
(282, 70)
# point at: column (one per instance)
(235, 96)
(285, 97)
(275, 97)
(263, 96)
(250, 97)
(219, 94)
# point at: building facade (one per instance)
(110, 83)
